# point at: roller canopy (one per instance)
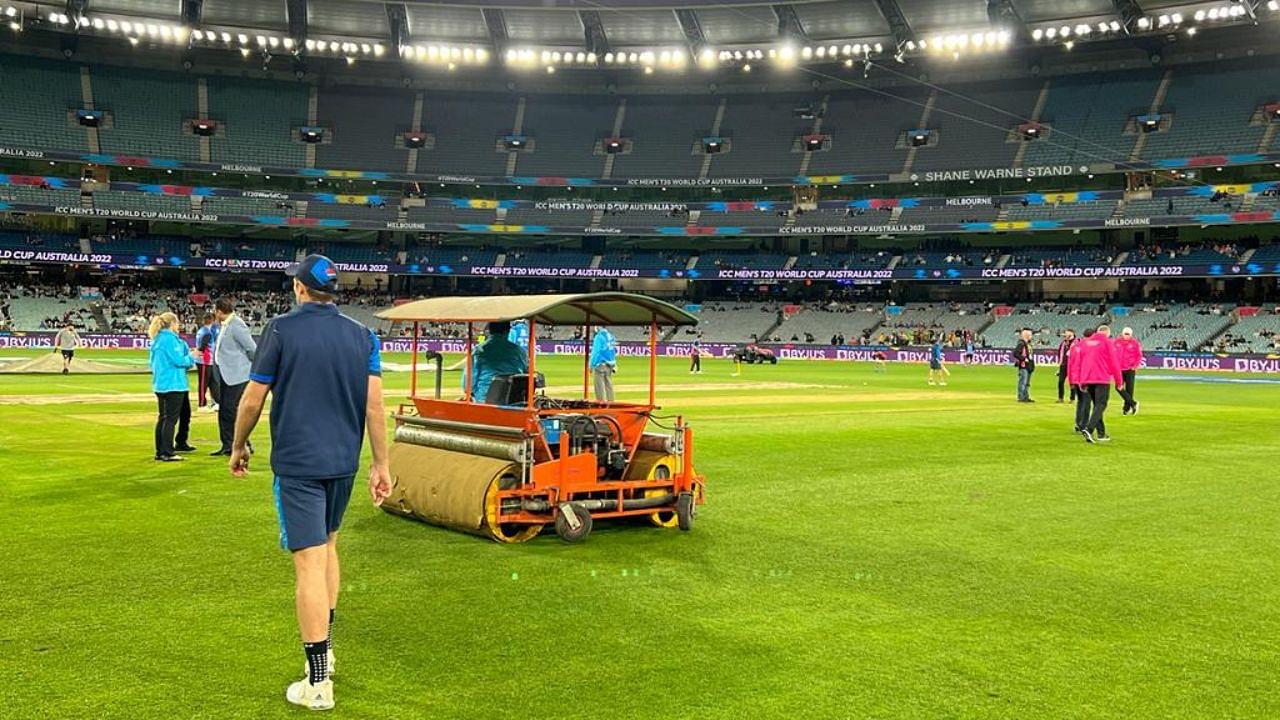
(607, 308)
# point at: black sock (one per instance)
(317, 660)
(332, 614)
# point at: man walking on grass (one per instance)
(66, 341)
(1129, 351)
(1099, 369)
(323, 370)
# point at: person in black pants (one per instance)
(170, 359)
(174, 415)
(1064, 352)
(1084, 401)
(233, 354)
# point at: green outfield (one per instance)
(872, 547)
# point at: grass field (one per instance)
(872, 548)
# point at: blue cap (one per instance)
(317, 272)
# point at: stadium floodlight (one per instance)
(288, 43)
(580, 58)
(1083, 29)
(10, 11)
(225, 37)
(1200, 14)
(648, 70)
(1191, 31)
(133, 41)
(244, 52)
(1176, 18)
(512, 56)
(112, 25)
(1051, 33)
(1115, 26)
(879, 48)
(746, 68)
(1069, 44)
(1037, 34)
(1273, 5)
(1144, 23)
(311, 45)
(608, 58)
(379, 50)
(242, 39)
(551, 70)
(98, 24)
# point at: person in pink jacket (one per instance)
(1095, 369)
(1130, 351)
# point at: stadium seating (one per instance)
(762, 129)
(1087, 115)
(1060, 257)
(467, 129)
(39, 196)
(973, 125)
(148, 110)
(1177, 327)
(865, 129)
(735, 322)
(1046, 320)
(245, 206)
(548, 257)
(35, 98)
(363, 124)
(1211, 106)
(259, 120)
(645, 260)
(344, 211)
(15, 240)
(140, 202)
(739, 260)
(822, 322)
(30, 312)
(663, 132)
(564, 131)
(1100, 210)
(1258, 333)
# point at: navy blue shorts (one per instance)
(310, 510)
(935, 365)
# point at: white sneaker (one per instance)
(306, 667)
(311, 697)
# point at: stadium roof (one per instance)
(641, 34)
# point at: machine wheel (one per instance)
(505, 532)
(662, 518)
(564, 528)
(686, 511)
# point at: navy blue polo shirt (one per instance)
(317, 362)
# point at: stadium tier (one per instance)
(1205, 108)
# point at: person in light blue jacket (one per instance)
(604, 363)
(170, 360)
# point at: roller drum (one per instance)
(457, 442)
(454, 490)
